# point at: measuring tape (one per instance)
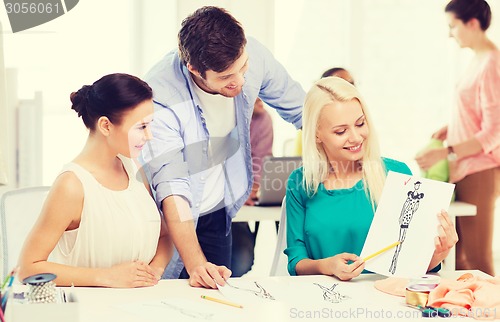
(418, 289)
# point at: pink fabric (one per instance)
(392, 285)
(261, 141)
(475, 297)
(477, 114)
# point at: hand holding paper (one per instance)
(406, 213)
(446, 239)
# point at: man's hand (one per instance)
(208, 274)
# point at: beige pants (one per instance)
(475, 233)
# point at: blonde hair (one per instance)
(315, 163)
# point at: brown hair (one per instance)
(211, 39)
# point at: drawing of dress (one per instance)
(330, 295)
(409, 208)
(261, 292)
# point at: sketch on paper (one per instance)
(406, 213)
(176, 309)
(330, 295)
(409, 209)
(261, 292)
(186, 312)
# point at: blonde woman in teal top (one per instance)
(331, 200)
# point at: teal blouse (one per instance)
(329, 223)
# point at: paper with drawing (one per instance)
(407, 212)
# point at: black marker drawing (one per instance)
(262, 293)
(330, 295)
(409, 209)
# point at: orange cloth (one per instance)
(474, 297)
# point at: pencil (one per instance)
(381, 251)
(221, 301)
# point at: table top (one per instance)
(259, 213)
(177, 300)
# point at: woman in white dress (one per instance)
(99, 222)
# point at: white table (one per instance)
(254, 213)
(103, 305)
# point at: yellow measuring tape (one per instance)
(416, 298)
(417, 293)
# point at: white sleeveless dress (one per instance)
(115, 226)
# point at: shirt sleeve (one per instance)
(295, 221)
(489, 99)
(278, 89)
(163, 157)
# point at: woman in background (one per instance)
(99, 220)
(473, 136)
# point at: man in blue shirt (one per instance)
(199, 161)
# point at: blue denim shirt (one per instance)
(175, 158)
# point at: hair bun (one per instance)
(80, 99)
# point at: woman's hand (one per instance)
(430, 157)
(447, 238)
(158, 271)
(338, 265)
(441, 134)
(131, 274)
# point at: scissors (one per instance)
(432, 312)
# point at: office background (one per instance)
(397, 50)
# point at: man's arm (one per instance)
(278, 89)
(181, 227)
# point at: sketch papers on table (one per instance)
(174, 309)
(330, 295)
(407, 212)
(320, 290)
(244, 290)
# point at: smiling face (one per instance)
(228, 83)
(342, 131)
(129, 137)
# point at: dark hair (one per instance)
(335, 70)
(466, 10)
(331, 71)
(211, 39)
(110, 96)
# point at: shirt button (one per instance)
(202, 178)
(197, 205)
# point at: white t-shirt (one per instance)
(220, 119)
